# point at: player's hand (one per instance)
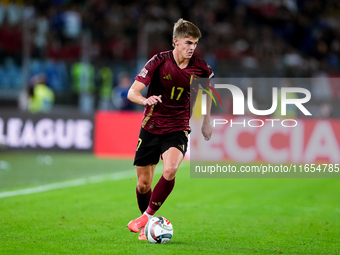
(152, 100)
(207, 130)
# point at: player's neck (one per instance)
(180, 60)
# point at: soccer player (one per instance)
(165, 126)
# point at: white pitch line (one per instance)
(72, 183)
(75, 183)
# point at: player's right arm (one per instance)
(135, 95)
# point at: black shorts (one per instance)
(151, 146)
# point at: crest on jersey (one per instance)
(143, 72)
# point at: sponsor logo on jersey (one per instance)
(143, 72)
(167, 77)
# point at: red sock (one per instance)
(143, 200)
(161, 191)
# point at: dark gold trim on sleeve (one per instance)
(148, 116)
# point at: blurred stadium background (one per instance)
(113, 39)
(88, 53)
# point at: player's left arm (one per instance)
(206, 126)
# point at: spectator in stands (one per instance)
(105, 81)
(41, 96)
(83, 77)
(119, 93)
(10, 41)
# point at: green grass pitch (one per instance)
(210, 216)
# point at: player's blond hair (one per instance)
(184, 29)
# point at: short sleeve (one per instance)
(145, 75)
(210, 72)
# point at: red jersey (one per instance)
(164, 77)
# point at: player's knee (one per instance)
(169, 172)
(143, 187)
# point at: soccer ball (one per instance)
(158, 230)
